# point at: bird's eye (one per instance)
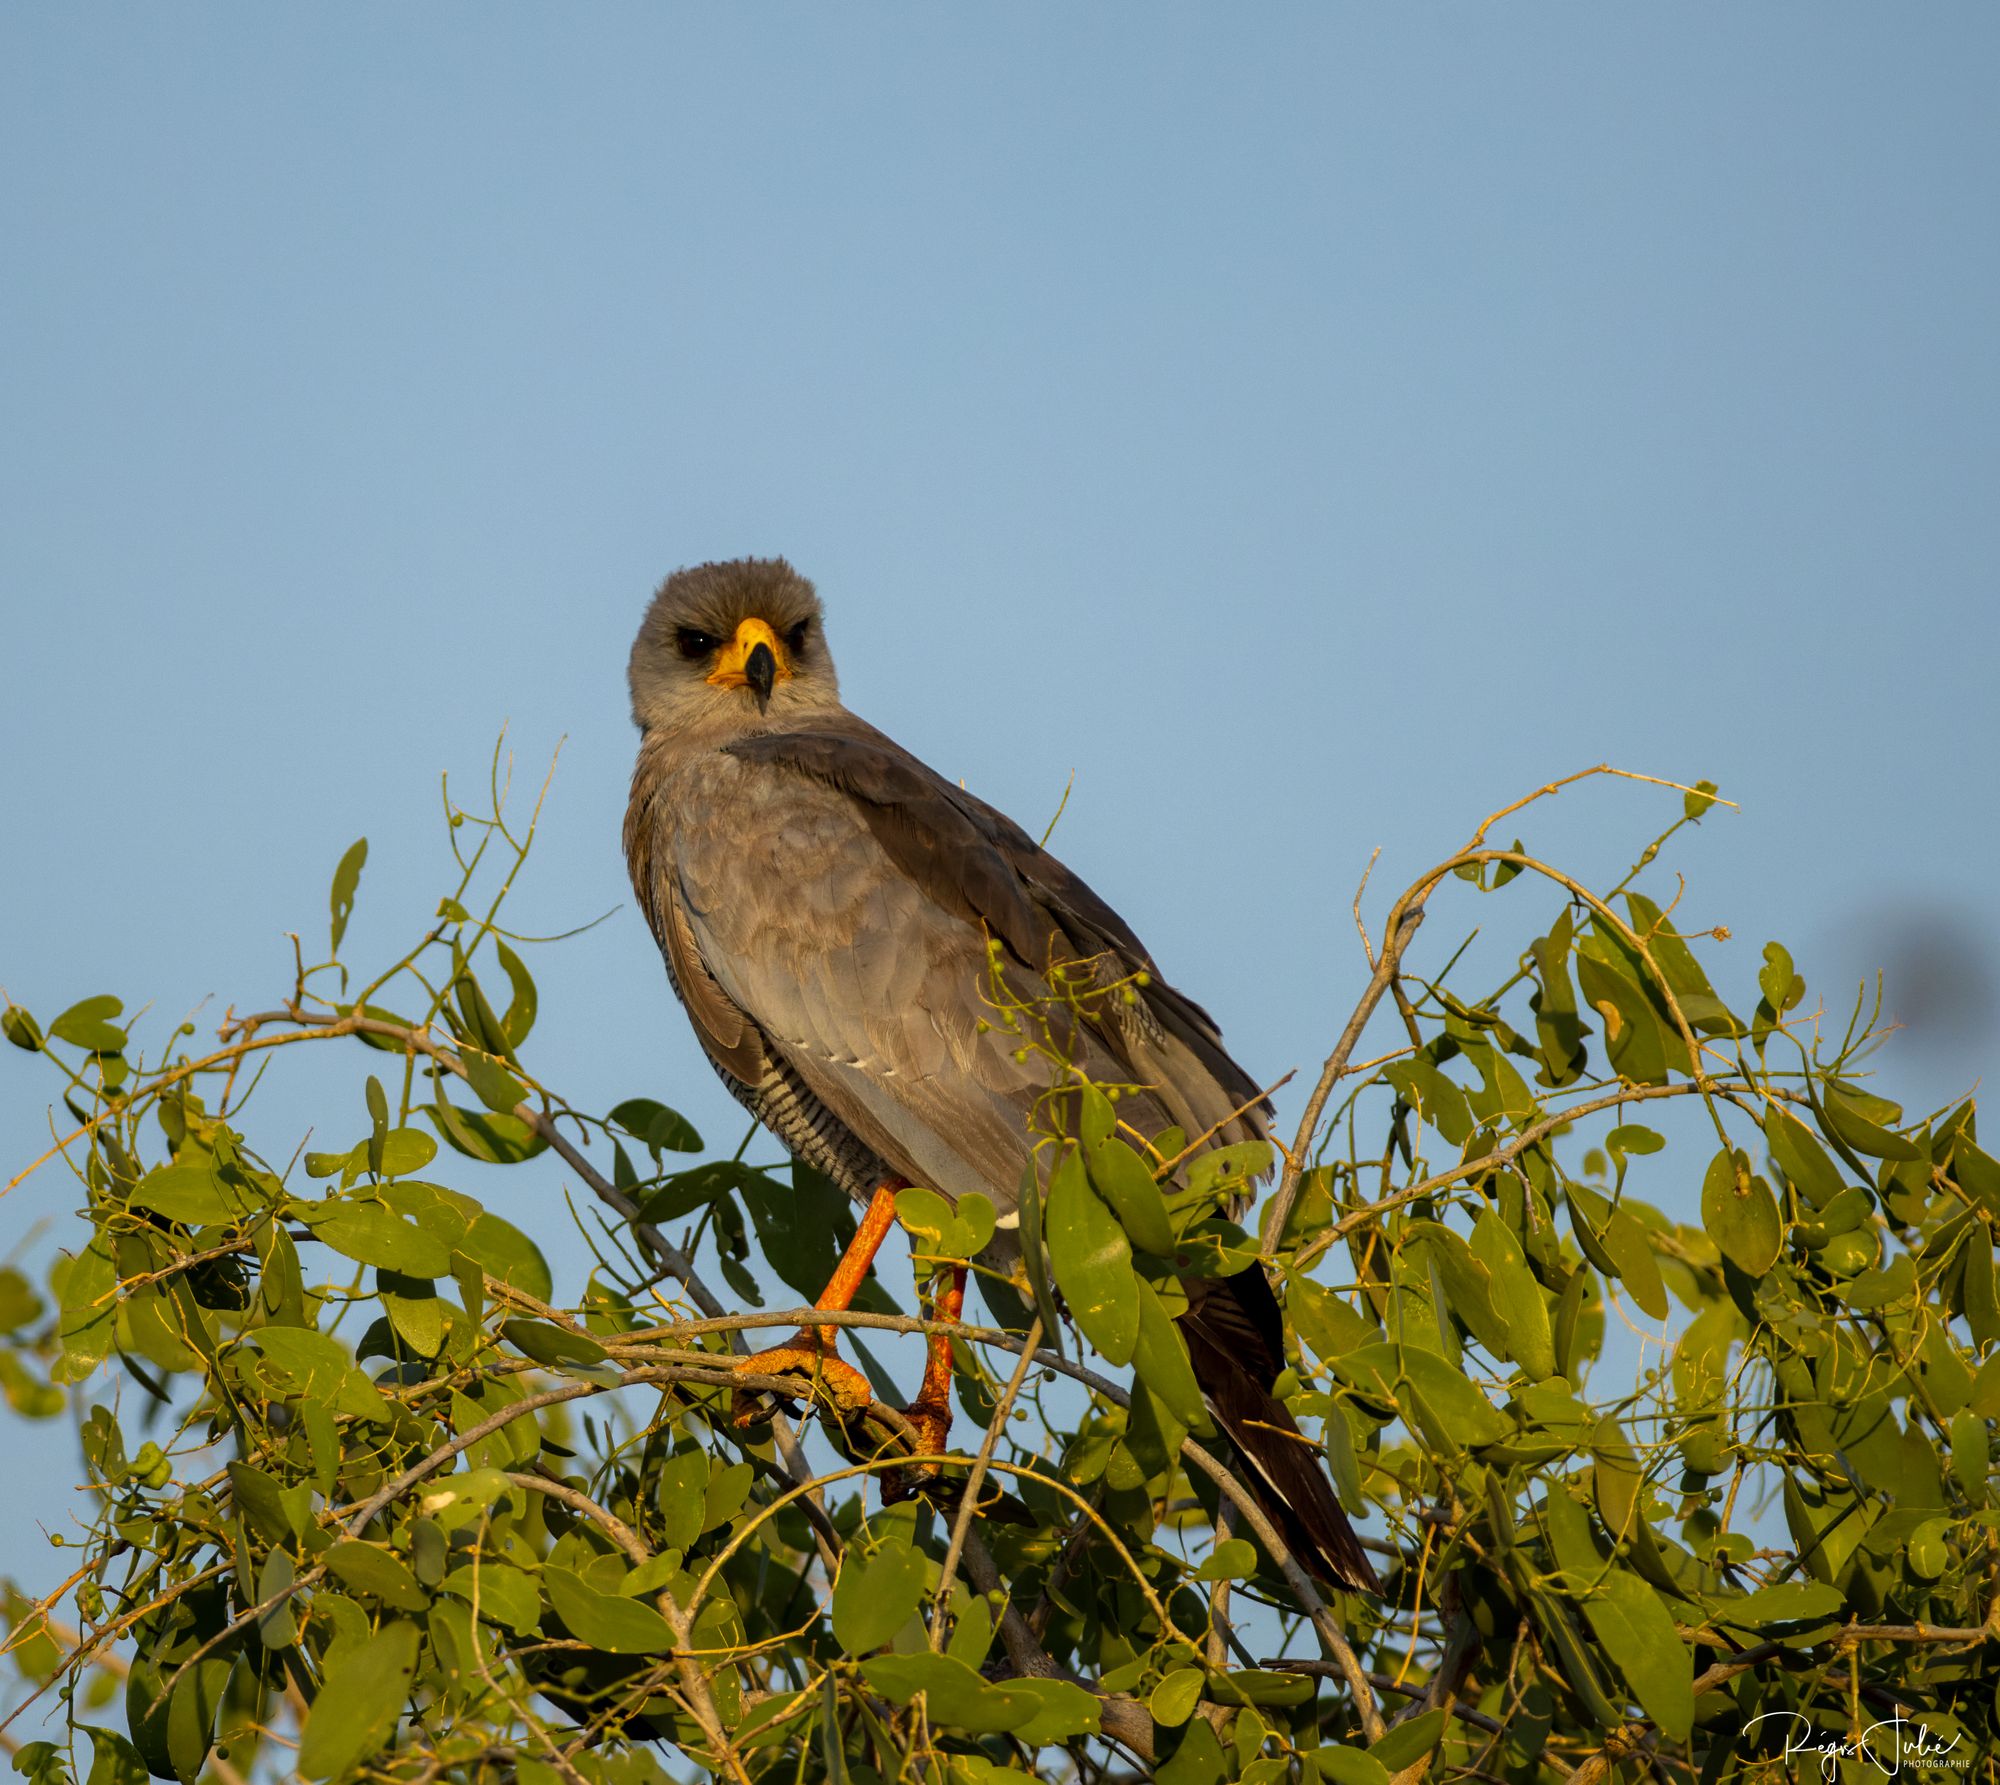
(796, 636)
(693, 643)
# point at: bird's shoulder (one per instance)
(965, 854)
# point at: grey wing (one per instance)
(975, 864)
(868, 988)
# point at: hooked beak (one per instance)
(755, 659)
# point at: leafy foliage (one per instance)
(369, 1497)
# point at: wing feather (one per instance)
(976, 865)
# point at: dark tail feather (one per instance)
(1235, 1342)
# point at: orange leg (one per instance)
(930, 1412)
(810, 1351)
(932, 1407)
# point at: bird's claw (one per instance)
(808, 1354)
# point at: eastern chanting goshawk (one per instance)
(826, 905)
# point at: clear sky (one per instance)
(1311, 425)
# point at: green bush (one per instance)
(372, 1496)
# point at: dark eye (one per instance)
(795, 637)
(694, 643)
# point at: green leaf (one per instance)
(1588, 1214)
(656, 1127)
(1800, 1156)
(1632, 1623)
(521, 1008)
(1121, 1178)
(1382, 1369)
(1062, 1710)
(318, 1370)
(498, 1593)
(1348, 1766)
(1778, 980)
(554, 1346)
(1930, 1549)
(1617, 1479)
(346, 879)
(488, 1136)
(415, 1310)
(1410, 1742)
(1175, 1697)
(1160, 1360)
(1696, 803)
(1629, 1247)
(1516, 1295)
(1468, 1285)
(278, 1514)
(21, 1029)
(405, 1150)
(680, 1487)
(956, 1697)
(1223, 1168)
(88, 1322)
(88, 1025)
(491, 1082)
(877, 1595)
(502, 1250)
(1848, 1120)
(947, 1232)
(1633, 1034)
(191, 1709)
(1978, 1173)
(1031, 1208)
(359, 1702)
(1231, 1559)
(277, 1628)
(728, 1487)
(1433, 1096)
(114, 1760)
(1789, 1602)
(370, 1569)
(606, 1621)
(19, 1305)
(191, 1194)
(1199, 1759)
(1676, 964)
(1629, 1137)
(371, 1234)
(1557, 1021)
(1741, 1214)
(1092, 1260)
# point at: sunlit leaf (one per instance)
(359, 1702)
(1092, 1260)
(876, 1596)
(346, 879)
(1741, 1214)
(605, 1621)
(88, 1025)
(1121, 1178)
(1636, 1629)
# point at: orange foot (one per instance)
(810, 1354)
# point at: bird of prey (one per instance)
(831, 910)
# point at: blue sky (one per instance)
(1312, 426)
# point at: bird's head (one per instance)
(737, 640)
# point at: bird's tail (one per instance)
(1235, 1343)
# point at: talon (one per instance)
(810, 1354)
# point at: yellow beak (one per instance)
(754, 658)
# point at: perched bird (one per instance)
(825, 903)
